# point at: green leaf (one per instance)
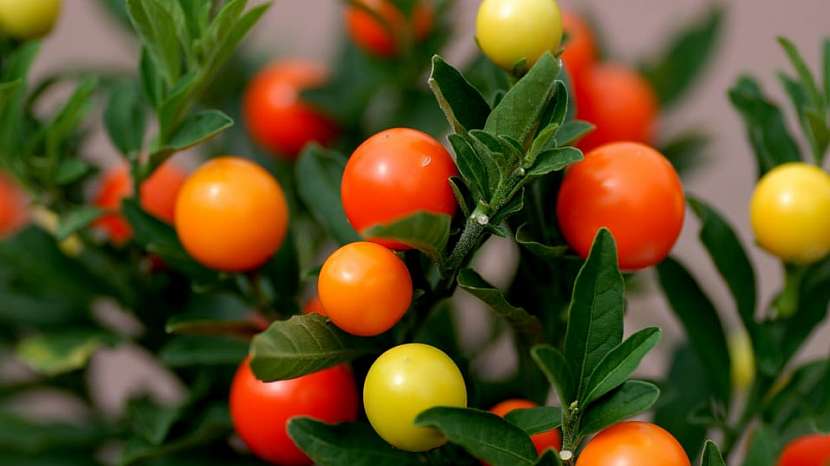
(701, 321)
(462, 104)
(230, 31)
(125, 118)
(799, 397)
(8, 89)
(711, 455)
(70, 116)
(71, 171)
(728, 253)
(763, 448)
(804, 74)
(425, 231)
(518, 114)
(157, 30)
(194, 130)
(474, 170)
(188, 351)
(219, 314)
(484, 435)
(160, 238)
(301, 345)
(554, 160)
(535, 420)
(549, 458)
(557, 370)
(76, 220)
(319, 173)
(686, 151)
(572, 131)
(765, 124)
(62, 351)
(629, 400)
(826, 68)
(683, 60)
(19, 309)
(524, 323)
(595, 324)
(549, 252)
(150, 420)
(618, 365)
(152, 83)
(355, 444)
(20, 435)
(812, 122)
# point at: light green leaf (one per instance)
(462, 104)
(62, 351)
(425, 231)
(554, 160)
(630, 399)
(194, 130)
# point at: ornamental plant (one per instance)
(299, 281)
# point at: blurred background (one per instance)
(87, 35)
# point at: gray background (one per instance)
(634, 28)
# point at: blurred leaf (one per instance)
(800, 397)
(318, 174)
(527, 326)
(701, 322)
(61, 351)
(157, 30)
(194, 130)
(684, 58)
(765, 124)
(7, 90)
(727, 252)
(355, 444)
(686, 151)
(228, 29)
(301, 345)
(188, 351)
(535, 420)
(813, 123)
(572, 131)
(71, 171)
(630, 399)
(76, 220)
(37, 311)
(150, 420)
(711, 455)
(125, 118)
(53, 458)
(549, 458)
(16, 67)
(813, 308)
(214, 314)
(519, 112)
(804, 75)
(488, 78)
(763, 447)
(23, 436)
(619, 363)
(483, 434)
(425, 231)
(557, 370)
(70, 116)
(461, 103)
(595, 324)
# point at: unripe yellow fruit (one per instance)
(28, 19)
(509, 31)
(743, 360)
(790, 212)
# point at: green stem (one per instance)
(786, 303)
(570, 436)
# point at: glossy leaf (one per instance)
(484, 435)
(630, 399)
(535, 420)
(619, 363)
(301, 345)
(557, 370)
(425, 231)
(711, 455)
(461, 103)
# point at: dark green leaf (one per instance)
(554, 160)
(188, 351)
(701, 321)
(473, 169)
(150, 420)
(7, 90)
(711, 455)
(765, 124)
(70, 115)
(686, 151)
(301, 345)
(557, 370)
(549, 458)
(542, 250)
(535, 420)
(125, 119)
(462, 104)
(618, 365)
(76, 220)
(683, 60)
(518, 113)
(462, 194)
(61, 351)
(572, 131)
(194, 130)
(484, 435)
(826, 67)
(230, 32)
(355, 444)
(763, 448)
(28, 310)
(425, 231)
(595, 324)
(804, 74)
(524, 323)
(20, 435)
(157, 30)
(71, 170)
(152, 83)
(319, 173)
(629, 400)
(221, 314)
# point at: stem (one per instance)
(570, 438)
(786, 303)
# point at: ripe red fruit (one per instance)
(543, 440)
(810, 450)
(379, 39)
(13, 213)
(276, 116)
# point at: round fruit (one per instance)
(275, 115)
(619, 102)
(580, 50)
(509, 31)
(743, 360)
(365, 288)
(543, 440)
(261, 411)
(158, 197)
(632, 190)
(810, 450)
(231, 215)
(633, 443)
(379, 38)
(790, 212)
(28, 19)
(405, 381)
(314, 306)
(396, 173)
(13, 213)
